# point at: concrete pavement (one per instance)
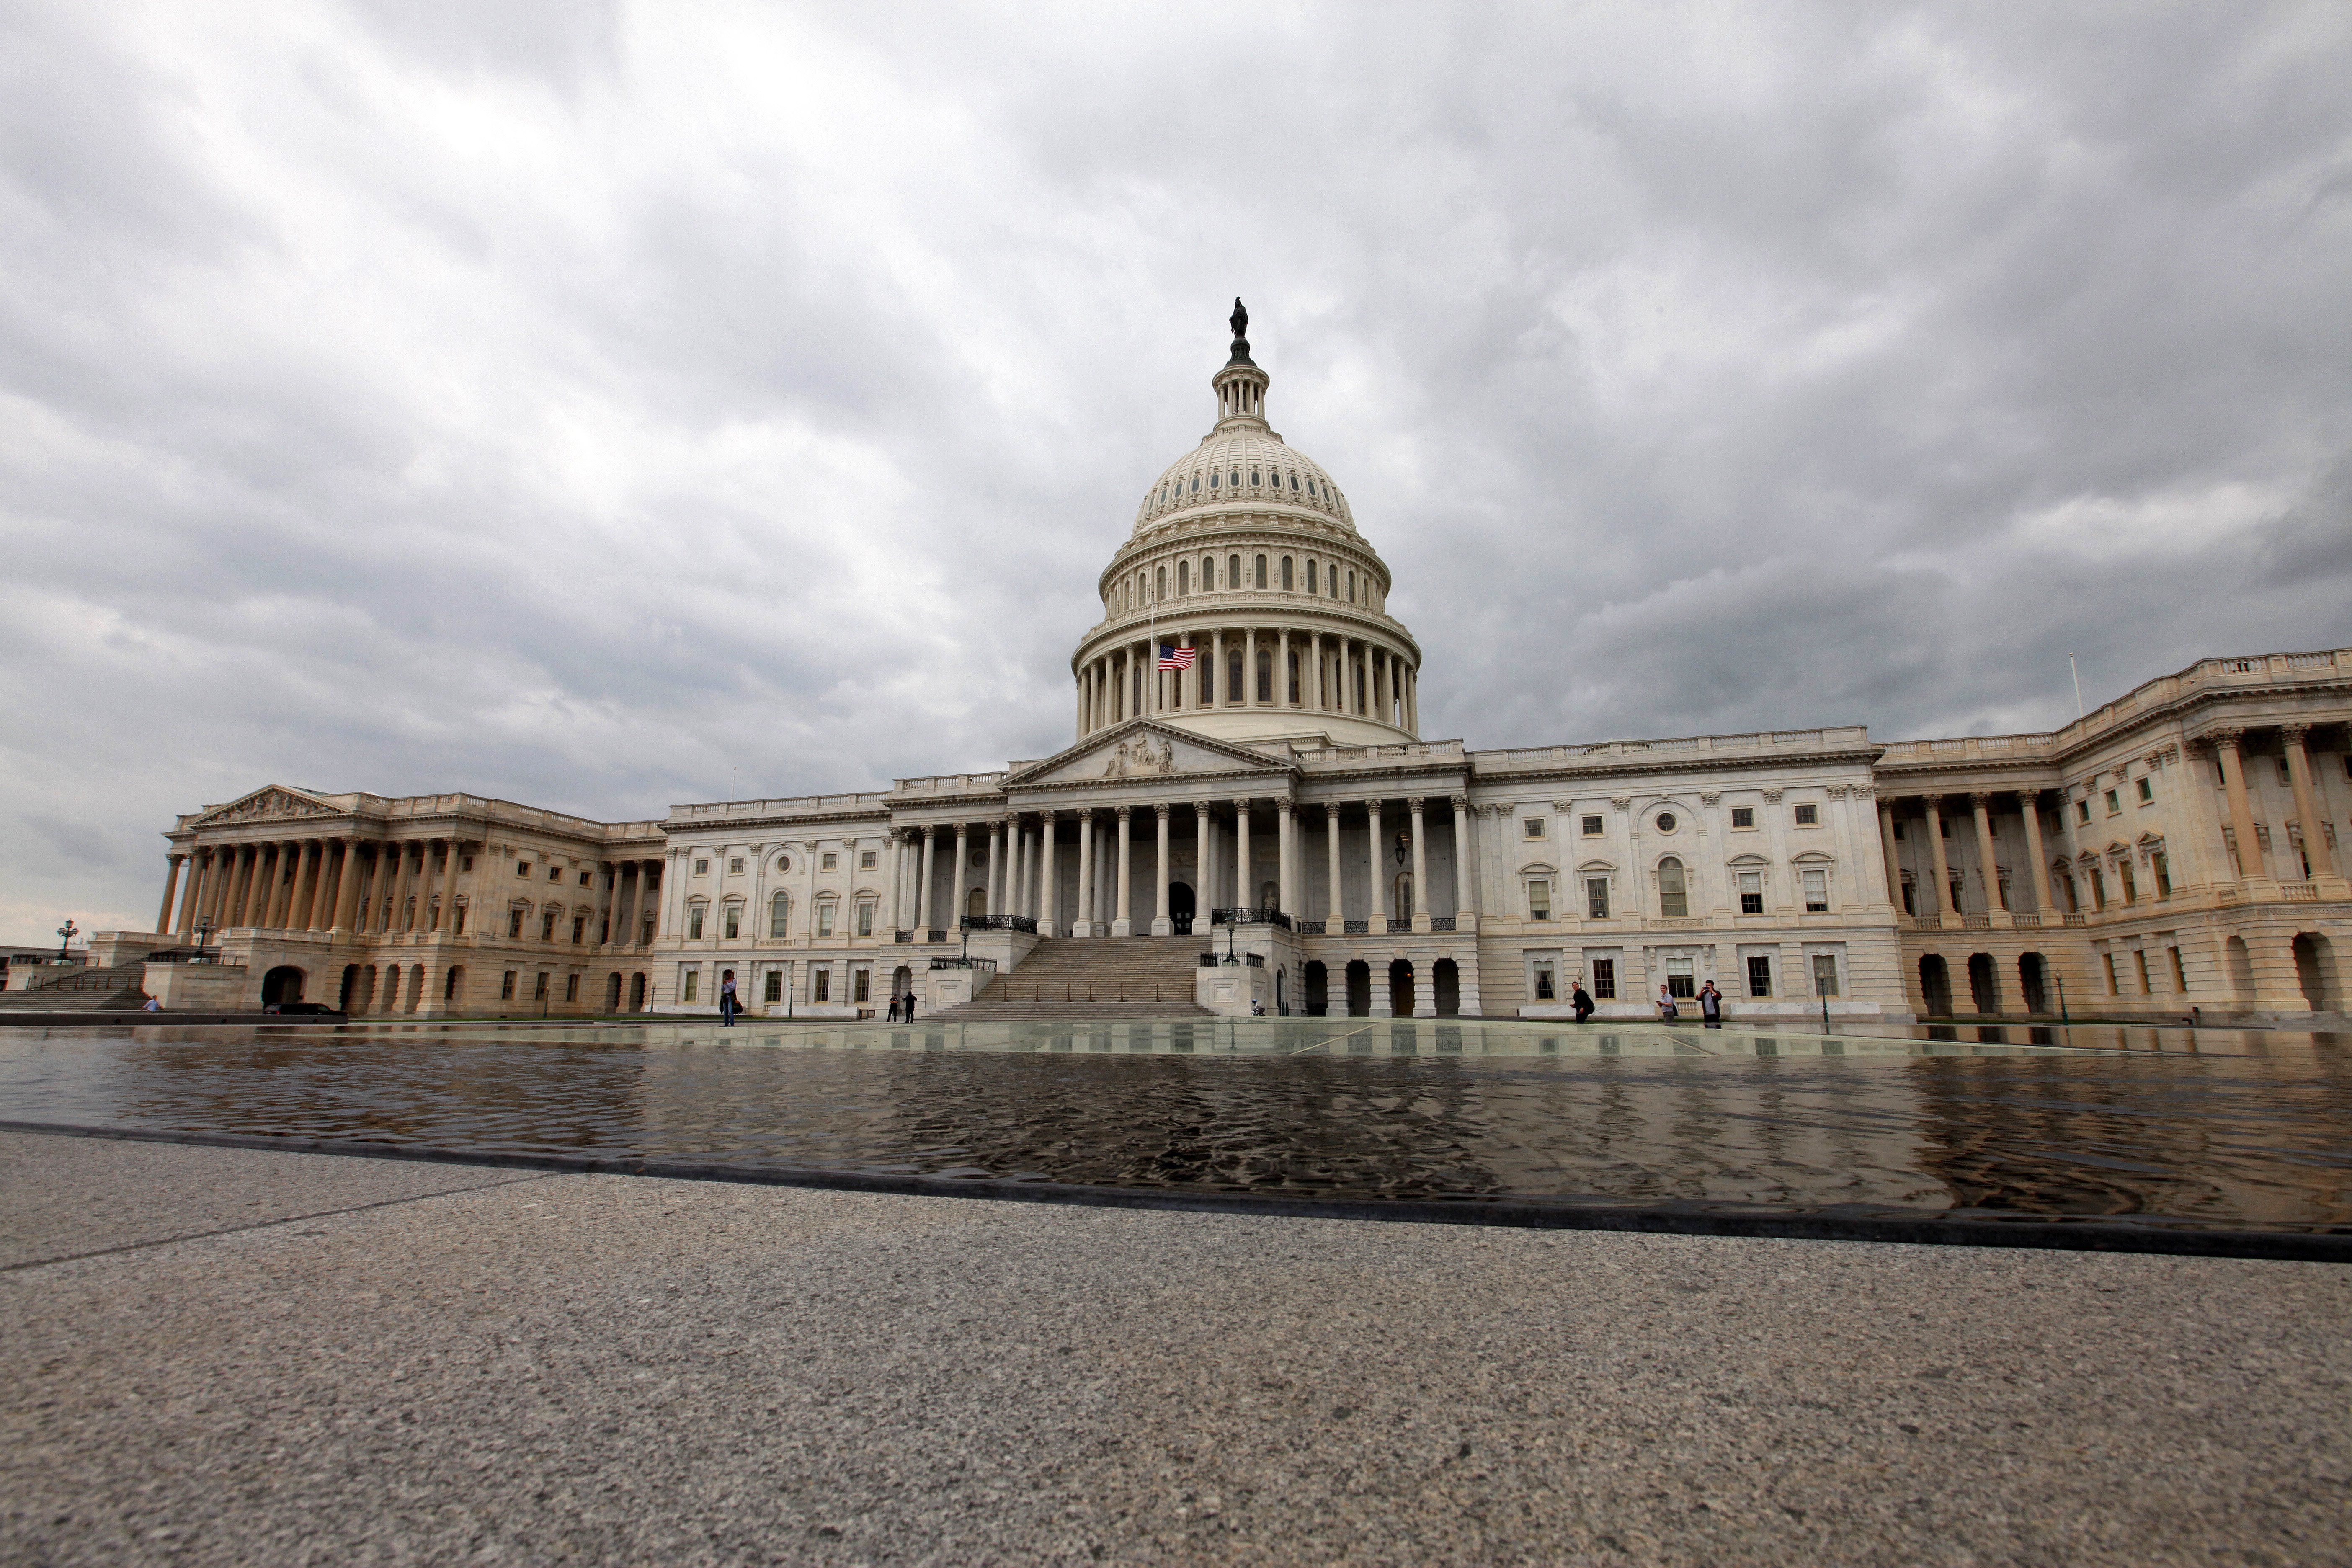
(219, 1356)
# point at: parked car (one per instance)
(306, 1009)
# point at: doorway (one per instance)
(1935, 986)
(1359, 989)
(1445, 980)
(2313, 971)
(1984, 990)
(1319, 988)
(1400, 988)
(2034, 980)
(283, 983)
(1179, 908)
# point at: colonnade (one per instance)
(1280, 667)
(347, 886)
(1024, 866)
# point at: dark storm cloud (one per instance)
(592, 405)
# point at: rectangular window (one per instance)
(522, 868)
(865, 920)
(571, 988)
(775, 990)
(547, 926)
(1593, 826)
(1535, 827)
(2131, 885)
(1743, 816)
(824, 919)
(1596, 898)
(1899, 835)
(2147, 787)
(734, 921)
(2114, 805)
(690, 986)
(2082, 811)
(830, 862)
(865, 860)
(555, 873)
(583, 879)
(1817, 892)
(2139, 969)
(1751, 893)
(694, 924)
(1681, 983)
(1604, 979)
(1910, 895)
(2108, 961)
(861, 982)
(538, 987)
(514, 924)
(1825, 982)
(779, 912)
(1944, 825)
(702, 868)
(735, 865)
(578, 929)
(1547, 988)
(1809, 815)
(2180, 975)
(822, 980)
(505, 986)
(1759, 975)
(1540, 898)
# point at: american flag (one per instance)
(1174, 658)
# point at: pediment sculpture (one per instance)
(1141, 755)
(269, 804)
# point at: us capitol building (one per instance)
(2175, 849)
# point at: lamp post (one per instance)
(66, 933)
(203, 937)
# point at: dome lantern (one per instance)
(1240, 385)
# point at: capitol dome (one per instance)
(1245, 564)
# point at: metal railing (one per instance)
(1250, 915)
(1441, 923)
(1310, 928)
(1356, 928)
(1000, 922)
(1396, 925)
(987, 963)
(1089, 991)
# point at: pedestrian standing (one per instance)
(1580, 1001)
(1666, 1013)
(1710, 1005)
(727, 1006)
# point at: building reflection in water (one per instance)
(1398, 1108)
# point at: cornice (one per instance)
(1708, 763)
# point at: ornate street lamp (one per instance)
(66, 933)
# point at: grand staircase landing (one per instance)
(1094, 977)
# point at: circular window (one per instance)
(1666, 822)
(784, 862)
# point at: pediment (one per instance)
(271, 803)
(1141, 749)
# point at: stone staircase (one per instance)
(114, 990)
(1094, 977)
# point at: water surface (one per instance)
(2211, 1128)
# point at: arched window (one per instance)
(1238, 479)
(1161, 581)
(1311, 577)
(1183, 578)
(1163, 495)
(1232, 570)
(1286, 563)
(1261, 572)
(1196, 484)
(1294, 482)
(1253, 479)
(780, 909)
(1673, 893)
(1352, 587)
(1213, 479)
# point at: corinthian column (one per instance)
(1121, 924)
(1936, 847)
(170, 890)
(2307, 814)
(1084, 925)
(1420, 865)
(1334, 922)
(1464, 901)
(1161, 924)
(2242, 811)
(1982, 803)
(2030, 803)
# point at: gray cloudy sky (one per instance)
(577, 405)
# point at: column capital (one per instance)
(1460, 802)
(1415, 803)
(1981, 799)
(2228, 735)
(1125, 812)
(2294, 735)
(1162, 808)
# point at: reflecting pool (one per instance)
(2209, 1128)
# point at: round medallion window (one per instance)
(784, 862)
(1666, 822)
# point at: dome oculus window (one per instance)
(1667, 823)
(1254, 478)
